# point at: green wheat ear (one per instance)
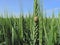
(36, 23)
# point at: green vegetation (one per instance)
(36, 29)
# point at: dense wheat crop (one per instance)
(36, 29)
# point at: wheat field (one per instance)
(36, 29)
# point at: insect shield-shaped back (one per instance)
(36, 19)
